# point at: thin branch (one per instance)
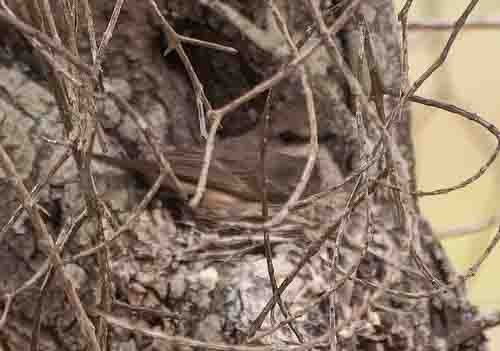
(467, 229)
(148, 311)
(174, 43)
(470, 116)
(180, 340)
(457, 27)
(488, 23)
(207, 44)
(44, 39)
(267, 40)
(108, 33)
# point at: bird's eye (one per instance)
(290, 137)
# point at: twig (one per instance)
(266, 40)
(148, 311)
(106, 37)
(268, 253)
(174, 43)
(467, 229)
(492, 23)
(44, 39)
(442, 56)
(280, 216)
(266, 116)
(207, 44)
(473, 117)
(35, 332)
(104, 285)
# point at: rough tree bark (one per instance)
(202, 276)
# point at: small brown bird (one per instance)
(235, 185)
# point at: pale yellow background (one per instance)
(450, 149)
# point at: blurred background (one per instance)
(450, 149)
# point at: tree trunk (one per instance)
(176, 275)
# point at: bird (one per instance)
(234, 184)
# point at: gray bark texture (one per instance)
(175, 279)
